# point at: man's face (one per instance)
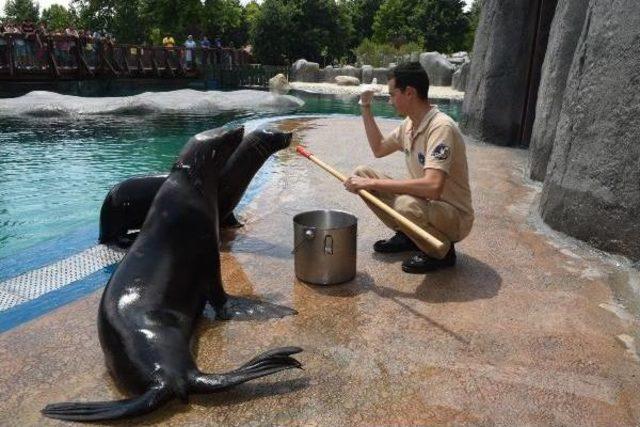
(398, 98)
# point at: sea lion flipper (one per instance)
(267, 363)
(231, 221)
(240, 308)
(113, 410)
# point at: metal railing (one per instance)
(29, 57)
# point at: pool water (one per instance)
(56, 171)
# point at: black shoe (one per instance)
(398, 243)
(421, 263)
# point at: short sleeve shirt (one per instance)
(436, 143)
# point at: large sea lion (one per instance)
(152, 301)
(127, 203)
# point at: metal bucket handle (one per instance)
(309, 234)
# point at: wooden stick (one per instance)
(422, 238)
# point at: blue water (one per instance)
(55, 171)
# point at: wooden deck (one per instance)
(55, 58)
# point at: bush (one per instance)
(381, 54)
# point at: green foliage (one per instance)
(59, 17)
(20, 10)
(271, 35)
(395, 22)
(155, 36)
(439, 24)
(225, 19)
(444, 25)
(363, 12)
(286, 30)
(281, 31)
(474, 20)
(381, 54)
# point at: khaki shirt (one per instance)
(437, 144)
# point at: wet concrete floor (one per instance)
(525, 330)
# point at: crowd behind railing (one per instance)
(31, 48)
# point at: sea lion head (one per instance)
(268, 141)
(206, 153)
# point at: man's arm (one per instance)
(429, 187)
(374, 136)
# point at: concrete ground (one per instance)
(438, 92)
(526, 330)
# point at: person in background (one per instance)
(28, 27)
(205, 44)
(189, 56)
(217, 43)
(168, 41)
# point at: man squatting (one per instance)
(436, 196)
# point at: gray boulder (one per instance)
(381, 75)
(350, 70)
(438, 67)
(592, 186)
(563, 38)
(460, 77)
(347, 81)
(305, 71)
(329, 73)
(367, 74)
(495, 92)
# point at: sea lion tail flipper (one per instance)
(112, 410)
(267, 363)
(231, 221)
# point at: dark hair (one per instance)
(411, 74)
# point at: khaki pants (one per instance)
(438, 218)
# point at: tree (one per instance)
(363, 12)
(21, 10)
(396, 23)
(58, 17)
(444, 24)
(225, 19)
(271, 37)
(439, 24)
(474, 19)
(251, 12)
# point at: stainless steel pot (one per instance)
(324, 243)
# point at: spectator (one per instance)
(205, 44)
(28, 27)
(3, 47)
(168, 41)
(190, 45)
(217, 42)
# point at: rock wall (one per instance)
(592, 187)
(496, 90)
(563, 38)
(460, 77)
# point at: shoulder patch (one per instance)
(441, 152)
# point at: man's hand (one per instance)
(355, 183)
(365, 98)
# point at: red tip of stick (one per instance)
(300, 149)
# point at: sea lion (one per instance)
(152, 301)
(127, 203)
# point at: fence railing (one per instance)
(26, 57)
